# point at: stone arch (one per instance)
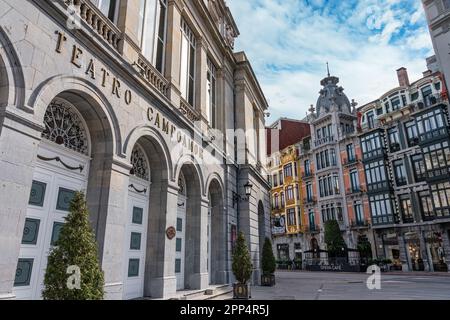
(190, 161)
(80, 90)
(217, 242)
(156, 137)
(194, 253)
(12, 82)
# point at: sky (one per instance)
(289, 43)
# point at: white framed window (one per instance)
(152, 30)
(188, 51)
(211, 95)
(110, 8)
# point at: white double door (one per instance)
(51, 193)
(180, 243)
(136, 241)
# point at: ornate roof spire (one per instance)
(328, 70)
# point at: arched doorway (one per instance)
(136, 225)
(188, 236)
(62, 168)
(145, 236)
(217, 242)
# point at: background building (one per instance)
(129, 101)
(406, 155)
(287, 219)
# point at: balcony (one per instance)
(322, 141)
(351, 161)
(307, 175)
(151, 75)
(394, 147)
(427, 102)
(96, 21)
(413, 142)
(401, 181)
(359, 224)
(355, 191)
(313, 229)
(189, 112)
(309, 201)
(377, 153)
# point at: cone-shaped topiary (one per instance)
(333, 238)
(75, 248)
(268, 263)
(242, 264)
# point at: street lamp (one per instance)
(248, 191)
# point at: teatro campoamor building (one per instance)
(93, 97)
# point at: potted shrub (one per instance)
(268, 265)
(242, 269)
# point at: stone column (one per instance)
(173, 50)
(201, 61)
(404, 254)
(427, 262)
(200, 277)
(115, 212)
(162, 281)
(19, 140)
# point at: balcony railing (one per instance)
(308, 201)
(351, 161)
(152, 75)
(313, 229)
(307, 175)
(189, 112)
(394, 147)
(401, 181)
(356, 190)
(427, 102)
(358, 224)
(100, 24)
(329, 139)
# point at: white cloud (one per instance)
(365, 41)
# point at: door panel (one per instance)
(180, 249)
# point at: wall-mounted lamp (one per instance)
(248, 191)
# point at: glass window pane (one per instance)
(31, 231)
(23, 272)
(65, 196)
(55, 232)
(133, 268)
(135, 243)
(138, 214)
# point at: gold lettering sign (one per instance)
(90, 69)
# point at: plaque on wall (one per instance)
(171, 233)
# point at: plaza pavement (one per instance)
(352, 286)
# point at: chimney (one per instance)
(403, 79)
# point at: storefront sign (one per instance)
(92, 71)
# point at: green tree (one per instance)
(333, 238)
(268, 262)
(242, 264)
(77, 247)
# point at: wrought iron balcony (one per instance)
(359, 224)
(427, 102)
(434, 134)
(394, 147)
(95, 19)
(307, 175)
(351, 161)
(355, 191)
(309, 201)
(325, 140)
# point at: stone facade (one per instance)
(69, 51)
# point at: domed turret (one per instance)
(332, 97)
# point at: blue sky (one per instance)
(364, 41)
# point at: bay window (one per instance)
(381, 209)
(188, 51)
(441, 199)
(426, 206)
